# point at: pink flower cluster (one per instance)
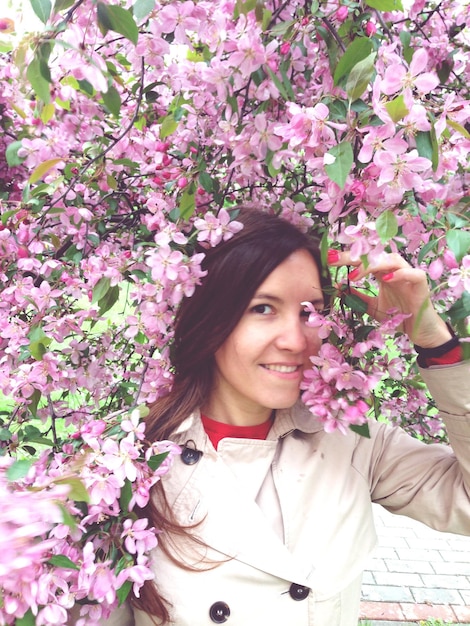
(338, 388)
(69, 536)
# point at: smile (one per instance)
(285, 369)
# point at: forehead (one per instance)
(297, 273)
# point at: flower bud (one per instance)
(342, 13)
(370, 29)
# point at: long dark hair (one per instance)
(235, 269)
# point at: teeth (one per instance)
(282, 368)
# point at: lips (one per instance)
(284, 369)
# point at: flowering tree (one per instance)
(130, 128)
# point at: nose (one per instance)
(293, 335)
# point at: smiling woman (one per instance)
(260, 365)
(267, 519)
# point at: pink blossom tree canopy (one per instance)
(130, 129)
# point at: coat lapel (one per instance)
(218, 496)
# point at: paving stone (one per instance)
(377, 565)
(462, 613)
(428, 611)
(399, 579)
(452, 556)
(381, 610)
(387, 623)
(386, 593)
(368, 578)
(417, 567)
(385, 553)
(454, 568)
(429, 544)
(446, 582)
(422, 595)
(410, 554)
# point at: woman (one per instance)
(266, 518)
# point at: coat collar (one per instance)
(286, 421)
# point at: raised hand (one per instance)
(402, 288)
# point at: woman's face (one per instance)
(259, 367)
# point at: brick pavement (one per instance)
(416, 573)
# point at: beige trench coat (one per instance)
(289, 519)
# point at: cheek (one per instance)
(313, 342)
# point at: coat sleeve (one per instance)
(428, 482)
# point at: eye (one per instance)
(262, 309)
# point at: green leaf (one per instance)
(60, 560)
(100, 289)
(62, 5)
(340, 168)
(123, 591)
(387, 226)
(77, 491)
(360, 77)
(28, 619)
(187, 203)
(424, 144)
(385, 5)
(361, 429)
(397, 108)
(156, 460)
(206, 182)
(109, 300)
(39, 84)
(461, 308)
(354, 302)
(117, 19)
(281, 28)
(287, 84)
(168, 126)
(5, 434)
(18, 470)
(459, 242)
(358, 50)
(112, 101)
(279, 85)
(433, 243)
(38, 348)
(11, 154)
(142, 8)
(42, 169)
(126, 495)
(42, 8)
(459, 128)
(34, 402)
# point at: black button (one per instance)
(190, 456)
(219, 612)
(298, 592)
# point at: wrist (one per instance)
(429, 353)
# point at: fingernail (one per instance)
(332, 256)
(354, 274)
(389, 276)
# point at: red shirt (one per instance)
(218, 430)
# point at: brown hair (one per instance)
(235, 269)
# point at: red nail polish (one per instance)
(332, 256)
(354, 274)
(386, 277)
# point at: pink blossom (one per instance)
(397, 77)
(342, 13)
(459, 279)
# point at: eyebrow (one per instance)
(277, 299)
